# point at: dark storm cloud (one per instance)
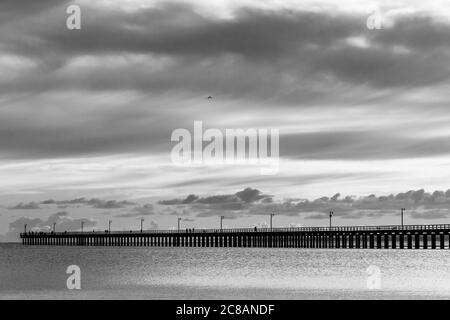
(219, 199)
(17, 9)
(247, 57)
(420, 203)
(371, 206)
(109, 134)
(248, 195)
(25, 206)
(177, 29)
(189, 199)
(255, 42)
(285, 56)
(93, 202)
(231, 204)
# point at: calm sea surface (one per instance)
(221, 273)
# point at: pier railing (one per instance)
(247, 230)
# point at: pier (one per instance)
(351, 237)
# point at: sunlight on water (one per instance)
(215, 273)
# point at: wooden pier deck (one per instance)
(356, 237)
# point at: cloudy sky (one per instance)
(86, 115)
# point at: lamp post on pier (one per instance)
(179, 219)
(142, 222)
(402, 212)
(331, 214)
(82, 225)
(54, 227)
(221, 221)
(271, 220)
(109, 226)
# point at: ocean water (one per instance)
(221, 273)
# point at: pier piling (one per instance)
(355, 237)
